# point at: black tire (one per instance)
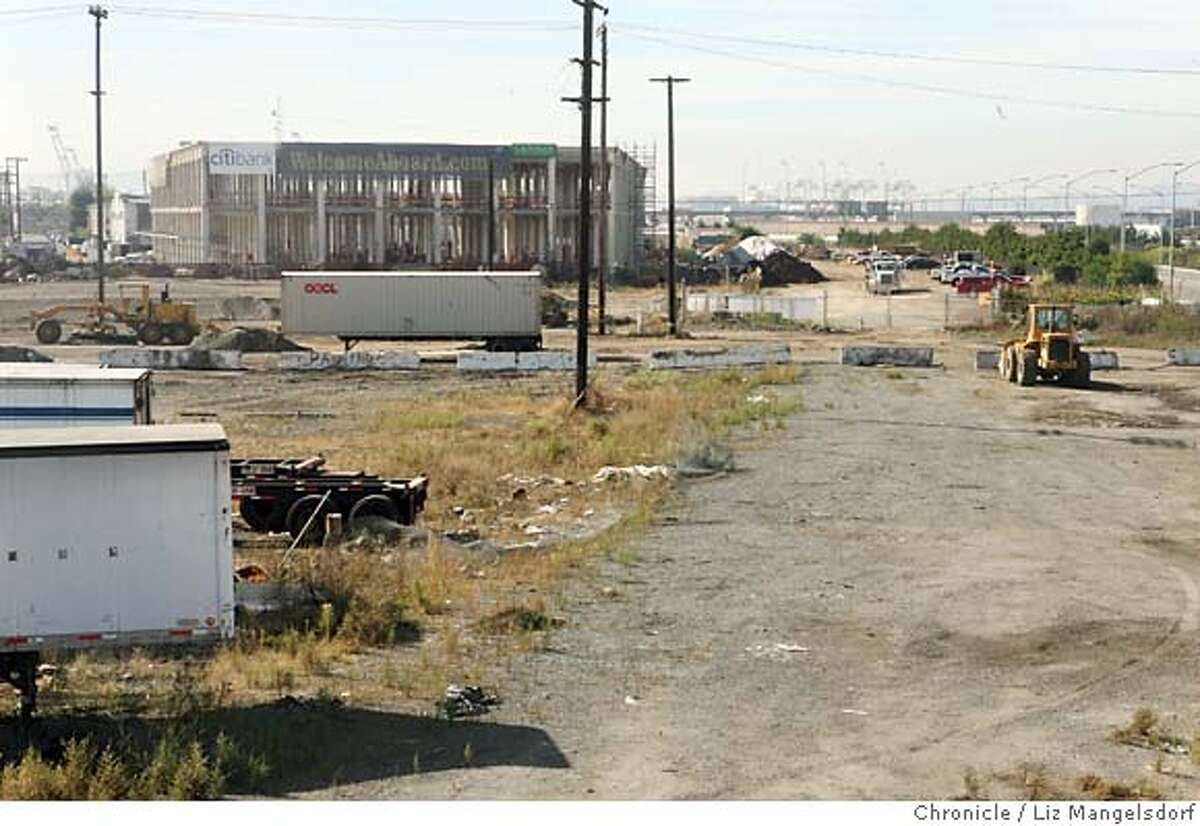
(1081, 376)
(150, 333)
(301, 512)
(262, 515)
(374, 505)
(180, 334)
(49, 332)
(1027, 368)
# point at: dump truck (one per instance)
(73, 395)
(503, 310)
(112, 537)
(1049, 350)
(152, 320)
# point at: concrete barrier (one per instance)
(1184, 356)
(173, 359)
(987, 359)
(478, 361)
(709, 359)
(1104, 360)
(354, 360)
(871, 356)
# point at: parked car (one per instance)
(921, 262)
(1010, 281)
(975, 281)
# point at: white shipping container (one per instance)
(72, 395)
(501, 308)
(114, 536)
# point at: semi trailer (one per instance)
(73, 395)
(112, 537)
(501, 309)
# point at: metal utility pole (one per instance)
(16, 162)
(101, 14)
(491, 213)
(602, 275)
(585, 101)
(672, 304)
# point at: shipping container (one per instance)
(112, 536)
(501, 309)
(72, 395)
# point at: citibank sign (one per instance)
(241, 158)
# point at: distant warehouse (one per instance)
(370, 206)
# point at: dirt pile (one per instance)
(249, 340)
(781, 267)
(248, 308)
(10, 354)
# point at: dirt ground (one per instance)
(926, 573)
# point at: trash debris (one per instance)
(759, 399)
(606, 474)
(706, 460)
(465, 701)
(248, 308)
(549, 510)
(854, 711)
(534, 530)
(251, 573)
(631, 700)
(776, 652)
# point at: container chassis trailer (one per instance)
(294, 495)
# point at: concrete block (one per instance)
(354, 360)
(173, 359)
(987, 359)
(539, 361)
(871, 356)
(710, 359)
(1104, 360)
(1184, 356)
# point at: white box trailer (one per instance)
(502, 309)
(112, 536)
(73, 395)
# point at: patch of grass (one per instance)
(1159, 327)
(1094, 787)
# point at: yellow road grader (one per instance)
(151, 319)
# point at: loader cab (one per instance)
(1049, 319)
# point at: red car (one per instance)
(980, 282)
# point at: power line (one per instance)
(859, 52)
(38, 10)
(920, 87)
(325, 21)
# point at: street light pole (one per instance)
(1179, 170)
(1079, 178)
(101, 14)
(1125, 196)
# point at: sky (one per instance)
(754, 115)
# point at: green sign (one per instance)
(534, 151)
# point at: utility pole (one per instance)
(602, 276)
(16, 162)
(585, 101)
(491, 213)
(101, 14)
(672, 304)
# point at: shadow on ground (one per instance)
(314, 745)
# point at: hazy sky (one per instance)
(740, 121)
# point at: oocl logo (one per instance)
(317, 288)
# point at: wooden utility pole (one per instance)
(672, 303)
(605, 201)
(585, 101)
(101, 14)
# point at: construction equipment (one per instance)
(1048, 351)
(152, 320)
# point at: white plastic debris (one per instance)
(606, 474)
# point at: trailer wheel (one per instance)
(260, 514)
(299, 515)
(49, 332)
(150, 333)
(374, 505)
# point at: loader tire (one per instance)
(49, 332)
(180, 334)
(1081, 376)
(150, 333)
(1027, 368)
(300, 513)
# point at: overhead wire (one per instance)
(339, 21)
(915, 86)
(911, 56)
